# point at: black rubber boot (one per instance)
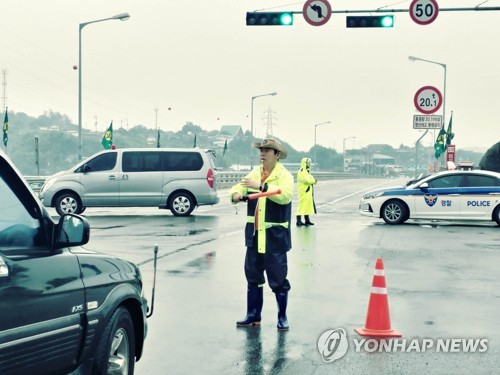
(255, 299)
(308, 222)
(282, 299)
(299, 221)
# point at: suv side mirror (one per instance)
(72, 230)
(425, 185)
(86, 168)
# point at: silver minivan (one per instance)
(178, 179)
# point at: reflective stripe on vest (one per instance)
(269, 225)
(261, 246)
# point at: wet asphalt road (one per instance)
(442, 281)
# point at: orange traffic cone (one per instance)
(378, 321)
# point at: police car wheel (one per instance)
(395, 212)
(496, 214)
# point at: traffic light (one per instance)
(370, 21)
(269, 18)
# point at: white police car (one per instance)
(447, 195)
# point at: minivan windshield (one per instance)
(103, 162)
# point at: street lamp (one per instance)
(343, 150)
(121, 17)
(251, 120)
(315, 127)
(413, 59)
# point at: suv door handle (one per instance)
(4, 270)
(112, 177)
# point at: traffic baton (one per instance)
(260, 195)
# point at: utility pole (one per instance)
(416, 152)
(156, 118)
(4, 88)
(37, 157)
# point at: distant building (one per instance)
(379, 159)
(228, 132)
(367, 163)
(53, 128)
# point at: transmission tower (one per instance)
(269, 121)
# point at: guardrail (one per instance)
(225, 179)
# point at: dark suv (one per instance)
(63, 309)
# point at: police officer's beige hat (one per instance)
(272, 144)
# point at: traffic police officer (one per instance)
(305, 189)
(267, 231)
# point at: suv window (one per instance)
(18, 227)
(181, 161)
(141, 161)
(104, 162)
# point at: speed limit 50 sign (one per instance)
(428, 100)
(424, 12)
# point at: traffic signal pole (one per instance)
(407, 10)
(380, 10)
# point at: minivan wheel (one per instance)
(68, 203)
(182, 204)
(115, 354)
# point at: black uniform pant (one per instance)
(273, 262)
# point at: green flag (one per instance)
(5, 128)
(194, 145)
(225, 148)
(439, 146)
(449, 134)
(158, 139)
(107, 139)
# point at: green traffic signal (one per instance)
(286, 19)
(269, 18)
(384, 21)
(387, 21)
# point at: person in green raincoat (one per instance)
(305, 189)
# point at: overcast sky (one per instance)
(198, 61)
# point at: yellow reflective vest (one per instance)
(274, 211)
